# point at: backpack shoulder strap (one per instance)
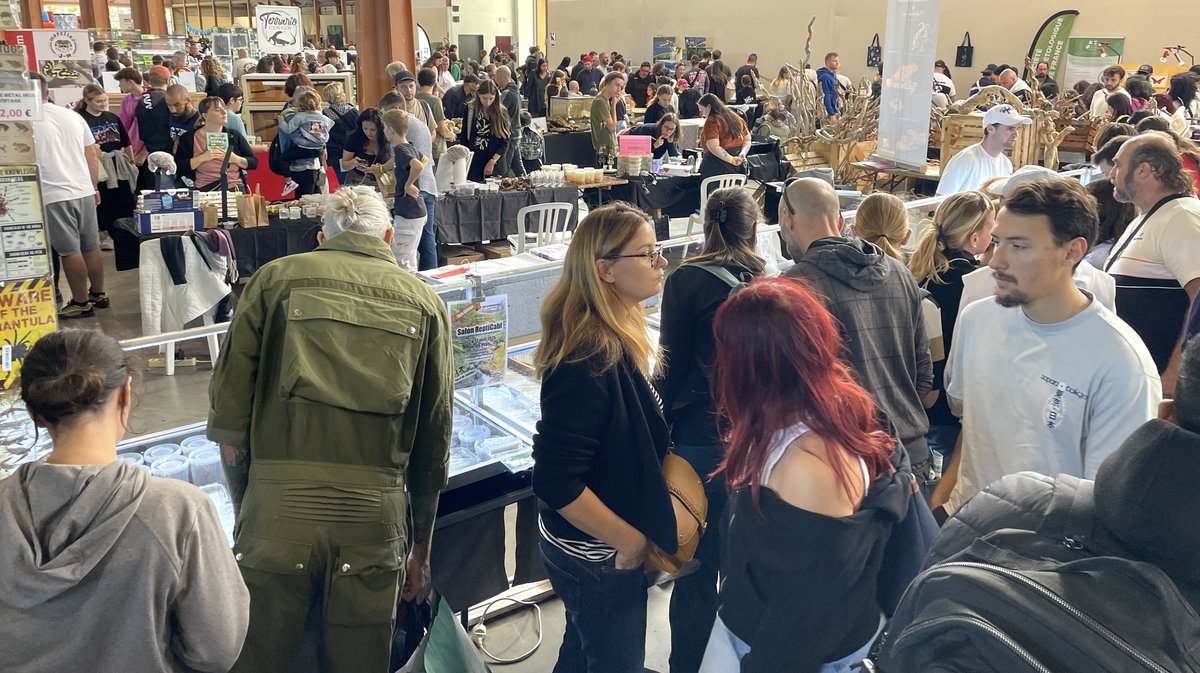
(720, 272)
(1071, 517)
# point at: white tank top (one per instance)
(784, 438)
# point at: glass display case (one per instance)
(569, 114)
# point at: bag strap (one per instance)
(966, 39)
(721, 272)
(1116, 254)
(875, 40)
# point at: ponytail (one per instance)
(929, 259)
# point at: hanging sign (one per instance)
(1050, 44)
(61, 45)
(479, 332)
(279, 29)
(910, 44)
(27, 313)
(23, 250)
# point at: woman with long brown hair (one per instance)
(815, 489)
(486, 131)
(599, 446)
(724, 138)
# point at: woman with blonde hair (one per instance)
(960, 230)
(214, 76)
(883, 220)
(600, 443)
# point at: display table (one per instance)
(896, 174)
(271, 184)
(571, 148)
(489, 217)
(675, 196)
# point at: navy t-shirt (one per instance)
(405, 206)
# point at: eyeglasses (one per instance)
(655, 256)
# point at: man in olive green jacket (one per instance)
(332, 403)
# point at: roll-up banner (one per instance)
(1050, 43)
(909, 50)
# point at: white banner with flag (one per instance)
(909, 50)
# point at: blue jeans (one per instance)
(427, 248)
(694, 596)
(606, 613)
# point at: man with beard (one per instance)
(1155, 262)
(1044, 378)
(985, 159)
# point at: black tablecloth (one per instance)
(253, 247)
(676, 196)
(489, 217)
(571, 148)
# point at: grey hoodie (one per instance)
(106, 568)
(877, 304)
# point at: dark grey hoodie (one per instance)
(877, 304)
(105, 568)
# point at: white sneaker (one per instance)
(289, 186)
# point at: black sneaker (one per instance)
(74, 310)
(98, 299)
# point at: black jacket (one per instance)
(605, 432)
(154, 121)
(689, 103)
(948, 296)
(1145, 503)
(801, 588)
(877, 304)
(454, 102)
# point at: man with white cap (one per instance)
(984, 160)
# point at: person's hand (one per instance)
(416, 576)
(412, 191)
(488, 168)
(737, 160)
(97, 198)
(634, 557)
(658, 142)
(611, 124)
(216, 154)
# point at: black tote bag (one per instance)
(965, 52)
(874, 53)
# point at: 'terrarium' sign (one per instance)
(279, 29)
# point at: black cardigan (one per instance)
(237, 144)
(606, 432)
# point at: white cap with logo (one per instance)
(1005, 115)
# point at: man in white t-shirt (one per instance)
(69, 169)
(1045, 378)
(984, 160)
(941, 81)
(1156, 262)
(1111, 79)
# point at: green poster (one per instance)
(1087, 57)
(480, 340)
(1050, 45)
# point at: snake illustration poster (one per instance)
(480, 335)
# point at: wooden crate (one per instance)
(1080, 140)
(960, 131)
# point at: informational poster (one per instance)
(1050, 43)
(23, 249)
(665, 48)
(61, 45)
(910, 46)
(279, 30)
(1087, 57)
(694, 46)
(27, 312)
(480, 336)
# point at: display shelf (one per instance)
(266, 97)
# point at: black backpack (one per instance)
(279, 161)
(1055, 599)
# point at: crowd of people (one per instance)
(817, 406)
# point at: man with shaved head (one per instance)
(877, 304)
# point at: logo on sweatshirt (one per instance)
(1054, 412)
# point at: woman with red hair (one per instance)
(817, 486)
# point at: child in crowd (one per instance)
(409, 208)
(308, 130)
(532, 145)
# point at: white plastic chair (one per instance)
(546, 223)
(710, 185)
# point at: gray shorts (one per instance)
(73, 226)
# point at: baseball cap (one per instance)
(468, 78)
(160, 71)
(404, 76)
(587, 59)
(940, 63)
(1145, 69)
(991, 69)
(1006, 115)
(1004, 187)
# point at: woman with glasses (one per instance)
(691, 297)
(724, 138)
(598, 450)
(211, 148)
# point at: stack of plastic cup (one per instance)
(205, 465)
(131, 457)
(196, 443)
(161, 451)
(171, 467)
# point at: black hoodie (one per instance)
(877, 304)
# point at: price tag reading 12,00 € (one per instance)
(21, 105)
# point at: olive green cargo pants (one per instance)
(321, 547)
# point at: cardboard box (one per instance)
(458, 254)
(494, 250)
(169, 223)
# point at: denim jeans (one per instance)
(725, 652)
(694, 596)
(605, 613)
(941, 438)
(427, 248)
